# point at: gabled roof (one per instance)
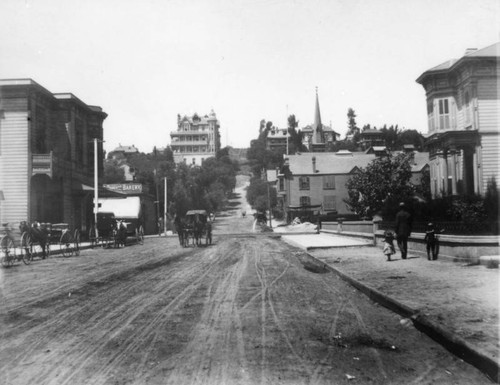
(126, 149)
(327, 163)
(345, 163)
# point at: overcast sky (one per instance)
(145, 61)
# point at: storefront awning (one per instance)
(86, 189)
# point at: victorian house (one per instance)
(196, 139)
(47, 155)
(463, 111)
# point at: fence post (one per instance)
(375, 228)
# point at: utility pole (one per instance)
(96, 182)
(269, 203)
(165, 210)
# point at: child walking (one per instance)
(389, 244)
(432, 242)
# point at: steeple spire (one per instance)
(317, 126)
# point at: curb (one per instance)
(454, 344)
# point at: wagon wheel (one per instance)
(92, 237)
(47, 249)
(76, 239)
(65, 244)
(139, 233)
(26, 248)
(9, 252)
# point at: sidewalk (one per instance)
(454, 303)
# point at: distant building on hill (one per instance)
(196, 139)
(120, 155)
(121, 152)
(463, 111)
(277, 140)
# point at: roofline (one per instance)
(457, 63)
(59, 95)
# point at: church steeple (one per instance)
(317, 135)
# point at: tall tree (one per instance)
(296, 136)
(352, 128)
(381, 185)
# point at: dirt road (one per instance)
(247, 310)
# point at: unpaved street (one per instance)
(248, 310)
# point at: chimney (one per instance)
(468, 51)
(314, 164)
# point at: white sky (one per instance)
(145, 61)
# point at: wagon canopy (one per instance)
(194, 212)
(123, 208)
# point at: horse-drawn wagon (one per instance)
(127, 217)
(104, 232)
(196, 226)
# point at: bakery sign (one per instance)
(125, 188)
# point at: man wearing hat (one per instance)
(403, 229)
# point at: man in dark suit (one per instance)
(403, 229)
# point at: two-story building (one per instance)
(196, 139)
(47, 154)
(316, 183)
(463, 111)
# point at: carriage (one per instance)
(196, 227)
(11, 246)
(37, 240)
(121, 219)
(60, 234)
(104, 231)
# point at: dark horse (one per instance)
(198, 229)
(38, 234)
(180, 230)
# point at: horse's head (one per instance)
(23, 226)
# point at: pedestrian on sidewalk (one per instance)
(432, 242)
(389, 244)
(403, 229)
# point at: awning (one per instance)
(86, 189)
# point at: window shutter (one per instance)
(453, 113)
(436, 115)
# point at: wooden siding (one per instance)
(490, 155)
(14, 166)
(488, 105)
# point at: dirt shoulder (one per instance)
(462, 298)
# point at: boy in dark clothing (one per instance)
(431, 242)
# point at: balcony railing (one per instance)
(42, 164)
